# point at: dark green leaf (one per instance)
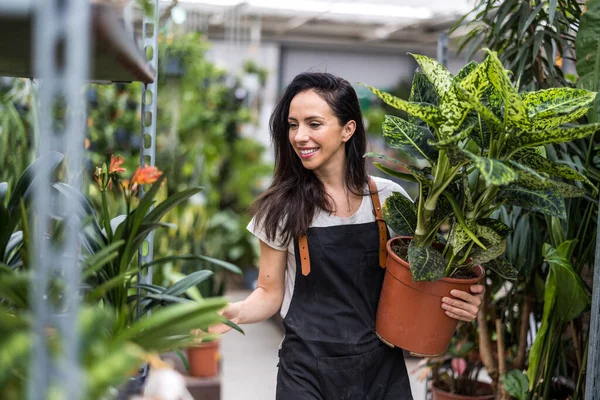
(516, 384)
(426, 263)
(480, 256)
(189, 281)
(571, 297)
(531, 179)
(423, 91)
(496, 225)
(461, 235)
(546, 201)
(400, 214)
(503, 268)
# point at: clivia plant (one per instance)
(483, 146)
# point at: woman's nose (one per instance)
(301, 135)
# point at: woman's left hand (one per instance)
(464, 306)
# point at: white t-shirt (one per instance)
(322, 219)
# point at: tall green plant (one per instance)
(479, 136)
(528, 35)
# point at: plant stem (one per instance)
(519, 362)
(485, 338)
(449, 265)
(106, 219)
(582, 370)
(501, 358)
(576, 343)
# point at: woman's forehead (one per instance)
(309, 103)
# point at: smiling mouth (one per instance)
(307, 153)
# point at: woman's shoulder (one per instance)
(386, 187)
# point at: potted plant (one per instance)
(480, 141)
(455, 375)
(204, 355)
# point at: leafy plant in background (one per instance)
(16, 150)
(113, 342)
(531, 37)
(457, 370)
(477, 126)
(519, 32)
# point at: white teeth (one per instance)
(305, 152)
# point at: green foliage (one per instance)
(525, 34)
(564, 299)
(515, 383)
(480, 129)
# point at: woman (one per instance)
(320, 200)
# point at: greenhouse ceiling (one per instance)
(380, 23)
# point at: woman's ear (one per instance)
(348, 130)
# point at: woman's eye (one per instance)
(293, 126)
(314, 125)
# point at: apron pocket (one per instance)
(350, 377)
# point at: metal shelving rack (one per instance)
(65, 44)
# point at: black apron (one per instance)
(330, 350)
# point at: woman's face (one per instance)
(315, 132)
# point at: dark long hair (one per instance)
(286, 209)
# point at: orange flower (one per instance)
(115, 164)
(145, 175)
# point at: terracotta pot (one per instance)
(204, 359)
(410, 315)
(439, 394)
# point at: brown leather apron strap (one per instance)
(380, 223)
(303, 241)
(304, 256)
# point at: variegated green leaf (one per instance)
(411, 138)
(422, 90)
(493, 171)
(466, 70)
(428, 113)
(556, 101)
(481, 256)
(452, 140)
(513, 105)
(454, 110)
(503, 268)
(426, 263)
(547, 201)
(398, 174)
(476, 82)
(531, 179)
(459, 237)
(556, 135)
(540, 124)
(400, 214)
(485, 113)
(499, 227)
(435, 72)
(420, 175)
(488, 235)
(532, 159)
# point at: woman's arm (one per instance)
(266, 299)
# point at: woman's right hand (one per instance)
(232, 313)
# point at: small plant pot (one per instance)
(204, 359)
(482, 387)
(410, 315)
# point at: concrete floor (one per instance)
(249, 363)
